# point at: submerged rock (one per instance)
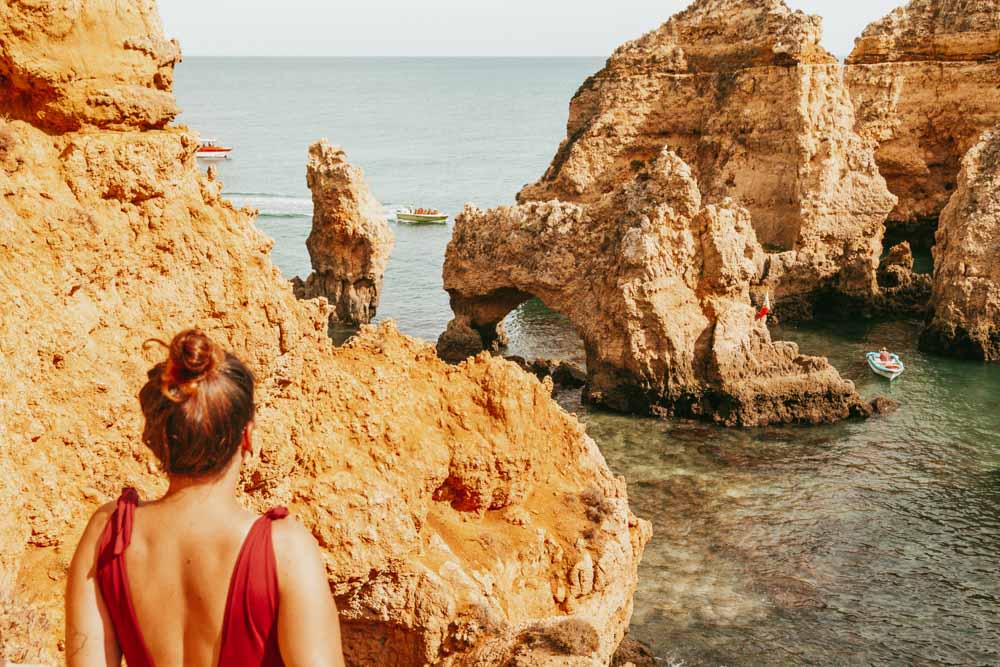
(924, 83)
(966, 298)
(743, 92)
(658, 287)
(404, 468)
(350, 241)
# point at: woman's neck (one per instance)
(215, 490)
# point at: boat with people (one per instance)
(211, 150)
(886, 364)
(421, 216)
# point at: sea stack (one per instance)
(465, 518)
(743, 92)
(350, 241)
(924, 83)
(658, 286)
(966, 297)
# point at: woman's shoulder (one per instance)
(99, 519)
(290, 537)
(86, 550)
(296, 551)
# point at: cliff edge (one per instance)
(966, 296)
(464, 516)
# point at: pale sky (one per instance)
(453, 27)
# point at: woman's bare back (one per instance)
(180, 564)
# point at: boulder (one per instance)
(455, 505)
(742, 91)
(924, 84)
(657, 284)
(350, 240)
(89, 63)
(896, 268)
(966, 297)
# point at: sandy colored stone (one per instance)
(966, 297)
(657, 284)
(86, 63)
(924, 83)
(742, 91)
(932, 30)
(404, 468)
(350, 241)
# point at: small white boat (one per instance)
(421, 216)
(891, 369)
(210, 150)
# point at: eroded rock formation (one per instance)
(743, 92)
(459, 508)
(966, 298)
(657, 285)
(70, 65)
(924, 83)
(350, 241)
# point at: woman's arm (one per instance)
(90, 638)
(308, 626)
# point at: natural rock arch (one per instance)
(658, 288)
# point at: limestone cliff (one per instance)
(932, 30)
(658, 287)
(966, 298)
(924, 83)
(741, 91)
(71, 65)
(462, 513)
(350, 241)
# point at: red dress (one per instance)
(250, 624)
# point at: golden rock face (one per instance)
(658, 285)
(966, 297)
(453, 503)
(923, 80)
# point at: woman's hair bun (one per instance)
(192, 357)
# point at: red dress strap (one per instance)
(250, 626)
(112, 580)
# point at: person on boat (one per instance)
(192, 578)
(886, 359)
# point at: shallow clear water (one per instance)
(859, 543)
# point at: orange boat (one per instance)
(210, 150)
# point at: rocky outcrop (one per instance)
(966, 299)
(743, 92)
(350, 241)
(460, 510)
(932, 30)
(924, 83)
(657, 285)
(71, 65)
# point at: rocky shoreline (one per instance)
(721, 162)
(464, 516)
(734, 108)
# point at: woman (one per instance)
(192, 578)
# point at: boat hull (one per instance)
(889, 373)
(422, 219)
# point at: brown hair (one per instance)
(197, 405)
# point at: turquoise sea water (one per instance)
(853, 544)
